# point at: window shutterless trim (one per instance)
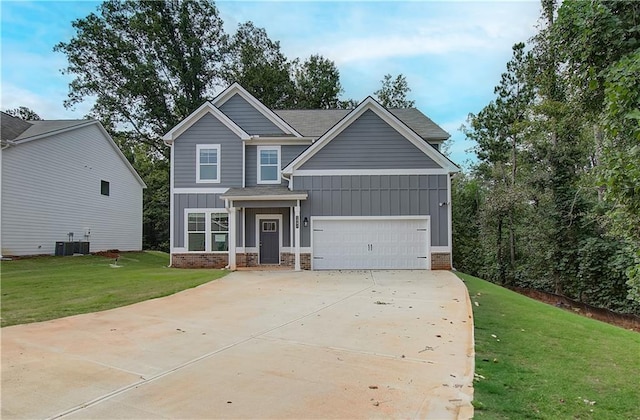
(259, 179)
(216, 147)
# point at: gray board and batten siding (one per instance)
(207, 130)
(248, 118)
(191, 201)
(287, 154)
(376, 195)
(369, 143)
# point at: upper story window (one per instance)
(104, 187)
(208, 163)
(268, 164)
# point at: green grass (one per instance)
(43, 288)
(540, 362)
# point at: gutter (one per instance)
(7, 143)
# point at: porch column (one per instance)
(297, 225)
(232, 238)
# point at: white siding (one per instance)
(51, 187)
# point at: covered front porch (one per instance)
(264, 227)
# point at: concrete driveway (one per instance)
(355, 344)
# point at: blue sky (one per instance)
(452, 53)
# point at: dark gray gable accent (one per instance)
(369, 143)
(248, 118)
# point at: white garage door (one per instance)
(370, 243)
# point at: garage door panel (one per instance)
(370, 243)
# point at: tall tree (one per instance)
(148, 64)
(24, 113)
(393, 92)
(258, 64)
(317, 83)
(498, 131)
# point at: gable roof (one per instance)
(11, 127)
(371, 104)
(236, 89)
(205, 108)
(316, 122)
(42, 129)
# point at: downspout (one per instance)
(450, 216)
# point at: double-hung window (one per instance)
(268, 164)
(207, 230)
(208, 163)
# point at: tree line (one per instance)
(553, 202)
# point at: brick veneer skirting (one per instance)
(440, 261)
(200, 260)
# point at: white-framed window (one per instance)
(208, 163)
(268, 164)
(206, 230)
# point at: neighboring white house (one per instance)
(62, 177)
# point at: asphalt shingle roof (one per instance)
(316, 122)
(11, 127)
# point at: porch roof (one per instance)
(265, 193)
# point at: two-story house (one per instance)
(364, 188)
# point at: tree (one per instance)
(24, 113)
(317, 83)
(256, 63)
(147, 63)
(393, 92)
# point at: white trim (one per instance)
(287, 141)
(320, 172)
(438, 249)
(254, 250)
(280, 229)
(235, 88)
(231, 237)
(287, 197)
(450, 219)
(203, 190)
(205, 108)
(371, 104)
(298, 222)
(418, 217)
(258, 165)
(244, 165)
(171, 206)
(207, 229)
(200, 147)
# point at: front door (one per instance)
(269, 241)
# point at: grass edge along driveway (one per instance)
(44, 288)
(537, 361)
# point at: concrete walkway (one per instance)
(355, 344)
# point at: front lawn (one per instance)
(42, 288)
(536, 361)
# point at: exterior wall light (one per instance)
(305, 222)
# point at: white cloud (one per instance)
(47, 106)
